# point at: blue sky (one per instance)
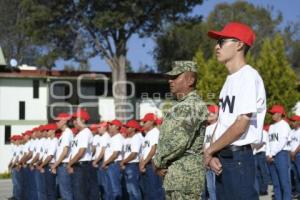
(140, 50)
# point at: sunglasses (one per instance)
(222, 41)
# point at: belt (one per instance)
(234, 148)
(80, 163)
(228, 151)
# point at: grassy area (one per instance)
(5, 175)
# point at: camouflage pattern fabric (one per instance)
(180, 142)
(176, 195)
(179, 67)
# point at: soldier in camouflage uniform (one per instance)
(178, 156)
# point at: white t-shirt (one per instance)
(264, 140)
(115, 143)
(37, 148)
(32, 149)
(150, 139)
(98, 145)
(44, 154)
(65, 140)
(84, 139)
(133, 144)
(51, 149)
(243, 92)
(278, 137)
(208, 134)
(294, 139)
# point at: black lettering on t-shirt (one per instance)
(229, 102)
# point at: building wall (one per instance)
(12, 91)
(5, 149)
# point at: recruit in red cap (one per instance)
(295, 118)
(116, 122)
(83, 114)
(63, 116)
(133, 124)
(213, 108)
(277, 109)
(235, 30)
(149, 117)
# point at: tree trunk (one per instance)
(119, 88)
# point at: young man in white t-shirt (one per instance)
(80, 163)
(259, 152)
(151, 183)
(212, 118)
(48, 159)
(295, 156)
(278, 154)
(62, 156)
(130, 162)
(112, 159)
(242, 111)
(101, 142)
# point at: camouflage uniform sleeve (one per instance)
(176, 133)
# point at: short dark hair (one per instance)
(246, 49)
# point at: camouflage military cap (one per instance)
(182, 66)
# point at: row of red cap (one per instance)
(85, 115)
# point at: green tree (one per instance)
(180, 42)
(211, 77)
(279, 78)
(104, 26)
(15, 44)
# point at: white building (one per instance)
(29, 98)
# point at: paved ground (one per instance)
(6, 190)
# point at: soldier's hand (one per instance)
(207, 157)
(216, 165)
(161, 172)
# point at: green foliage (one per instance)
(180, 42)
(13, 40)
(211, 77)
(279, 78)
(5, 175)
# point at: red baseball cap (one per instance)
(28, 132)
(94, 127)
(133, 124)
(295, 118)
(236, 30)
(49, 127)
(149, 117)
(277, 109)
(159, 121)
(63, 116)
(213, 108)
(266, 127)
(123, 130)
(74, 130)
(83, 114)
(116, 122)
